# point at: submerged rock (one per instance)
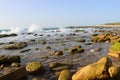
(42, 42)
(97, 71)
(55, 66)
(18, 45)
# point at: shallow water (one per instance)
(59, 41)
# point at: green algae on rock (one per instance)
(8, 59)
(35, 68)
(115, 48)
(18, 45)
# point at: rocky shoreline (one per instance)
(60, 56)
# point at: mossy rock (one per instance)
(115, 48)
(42, 42)
(12, 34)
(8, 59)
(35, 68)
(65, 75)
(18, 45)
(7, 35)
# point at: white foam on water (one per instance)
(34, 28)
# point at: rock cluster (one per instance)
(103, 69)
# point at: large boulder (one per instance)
(101, 70)
(35, 68)
(114, 50)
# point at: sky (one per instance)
(47, 13)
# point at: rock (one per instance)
(72, 50)
(65, 75)
(114, 50)
(95, 71)
(115, 55)
(15, 74)
(14, 64)
(35, 79)
(60, 68)
(81, 40)
(55, 66)
(7, 35)
(114, 71)
(35, 68)
(95, 50)
(42, 42)
(22, 51)
(18, 45)
(8, 59)
(75, 49)
(58, 53)
(47, 47)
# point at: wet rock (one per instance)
(88, 43)
(7, 59)
(114, 71)
(18, 45)
(97, 71)
(95, 50)
(60, 68)
(22, 51)
(35, 68)
(80, 40)
(55, 66)
(42, 42)
(15, 64)
(114, 50)
(15, 74)
(75, 49)
(108, 37)
(65, 75)
(7, 35)
(58, 53)
(47, 47)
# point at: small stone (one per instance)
(14, 64)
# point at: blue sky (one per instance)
(22, 13)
